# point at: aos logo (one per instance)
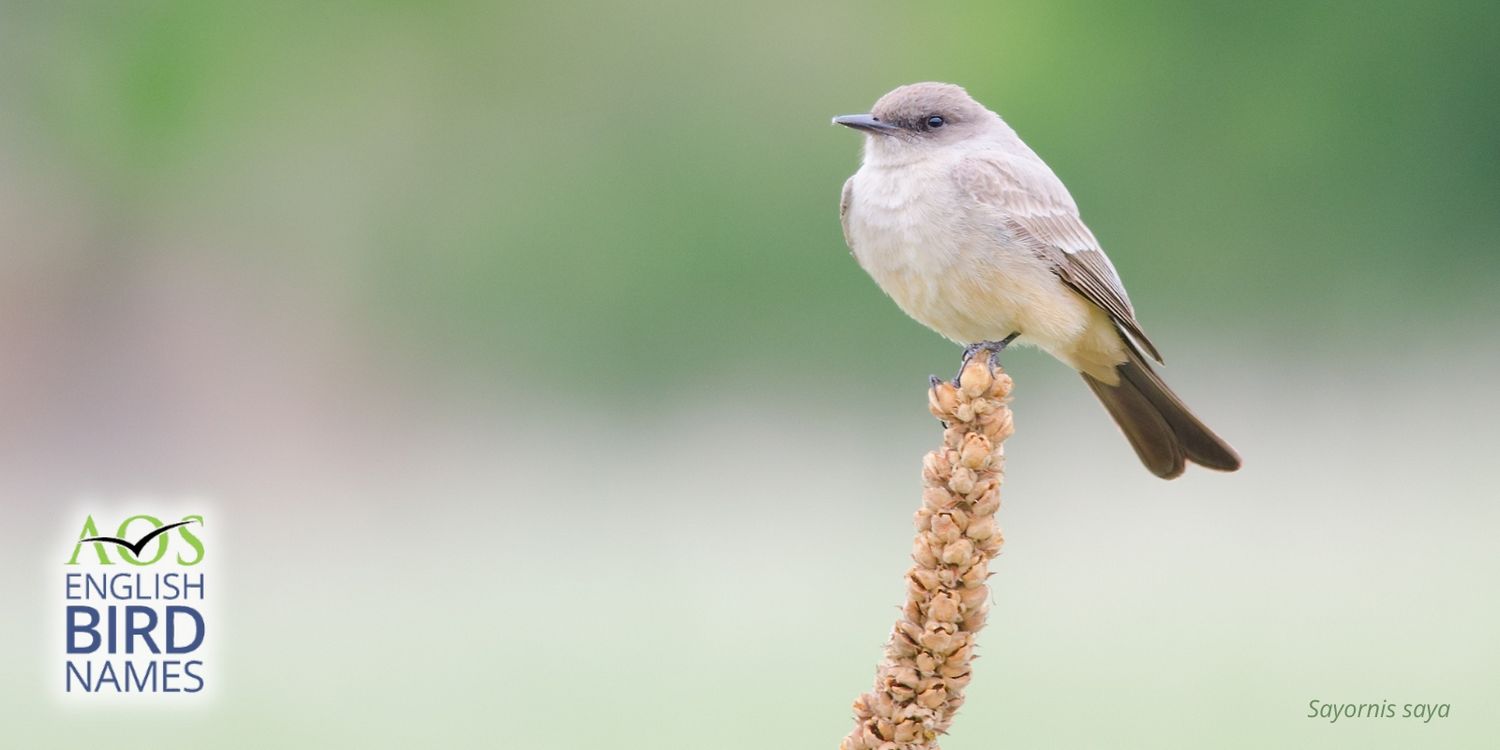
(130, 552)
(134, 601)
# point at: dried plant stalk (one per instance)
(920, 685)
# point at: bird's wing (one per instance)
(1033, 206)
(844, 200)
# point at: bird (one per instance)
(975, 237)
(139, 545)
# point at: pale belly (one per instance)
(969, 282)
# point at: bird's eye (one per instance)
(934, 122)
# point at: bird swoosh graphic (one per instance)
(135, 549)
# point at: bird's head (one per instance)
(918, 118)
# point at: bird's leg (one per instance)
(993, 347)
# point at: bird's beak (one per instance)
(867, 123)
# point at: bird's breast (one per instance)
(911, 229)
(900, 228)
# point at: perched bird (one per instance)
(970, 232)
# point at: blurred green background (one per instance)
(540, 314)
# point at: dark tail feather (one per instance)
(1161, 429)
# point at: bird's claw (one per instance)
(993, 347)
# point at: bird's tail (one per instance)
(1161, 429)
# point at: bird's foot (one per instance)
(993, 347)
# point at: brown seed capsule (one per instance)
(913, 608)
(938, 642)
(975, 574)
(926, 578)
(997, 426)
(922, 552)
(981, 529)
(957, 683)
(936, 468)
(948, 577)
(944, 608)
(1000, 386)
(954, 670)
(936, 498)
(905, 675)
(988, 484)
(944, 528)
(961, 551)
(907, 731)
(962, 481)
(976, 377)
(922, 519)
(932, 697)
(987, 503)
(910, 630)
(973, 598)
(976, 451)
(991, 547)
(926, 662)
(1000, 426)
(942, 399)
(974, 621)
(961, 655)
(900, 647)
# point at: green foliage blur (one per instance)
(493, 185)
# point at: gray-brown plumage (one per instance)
(970, 232)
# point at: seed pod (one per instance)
(944, 528)
(942, 399)
(920, 684)
(976, 378)
(962, 481)
(981, 529)
(976, 451)
(961, 551)
(936, 498)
